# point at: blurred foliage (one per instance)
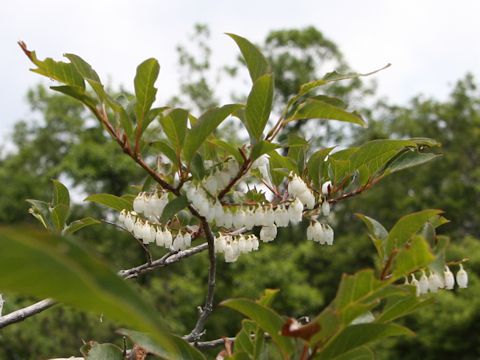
(63, 142)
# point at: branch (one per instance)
(199, 329)
(26, 312)
(212, 343)
(167, 259)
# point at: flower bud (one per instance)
(326, 187)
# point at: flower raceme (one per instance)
(434, 281)
(144, 221)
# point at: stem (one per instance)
(199, 329)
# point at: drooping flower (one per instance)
(462, 278)
(449, 278)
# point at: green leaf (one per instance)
(268, 296)
(361, 353)
(256, 63)
(399, 306)
(410, 159)
(111, 201)
(76, 225)
(355, 336)
(147, 342)
(60, 194)
(375, 154)
(267, 319)
(173, 207)
(205, 125)
(174, 124)
(259, 105)
(406, 227)
(197, 167)
(317, 109)
(59, 268)
(229, 149)
(76, 93)
(57, 70)
(316, 164)
(59, 215)
(105, 352)
(413, 257)
(263, 147)
(374, 227)
(90, 75)
(377, 233)
(165, 149)
(145, 91)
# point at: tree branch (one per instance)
(212, 343)
(199, 329)
(167, 259)
(26, 312)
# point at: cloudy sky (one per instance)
(431, 43)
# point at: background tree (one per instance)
(82, 154)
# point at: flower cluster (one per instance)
(298, 189)
(243, 216)
(321, 233)
(219, 179)
(233, 246)
(150, 205)
(434, 281)
(152, 233)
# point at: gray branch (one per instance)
(26, 312)
(212, 343)
(169, 258)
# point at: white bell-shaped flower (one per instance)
(138, 229)
(159, 238)
(325, 208)
(167, 238)
(295, 211)
(329, 235)
(308, 199)
(187, 240)
(462, 278)
(449, 278)
(432, 283)
(121, 217)
(139, 203)
(249, 219)
(178, 242)
(239, 219)
(296, 186)
(268, 233)
(423, 282)
(129, 221)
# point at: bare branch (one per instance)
(26, 312)
(167, 259)
(212, 343)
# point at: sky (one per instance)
(430, 43)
